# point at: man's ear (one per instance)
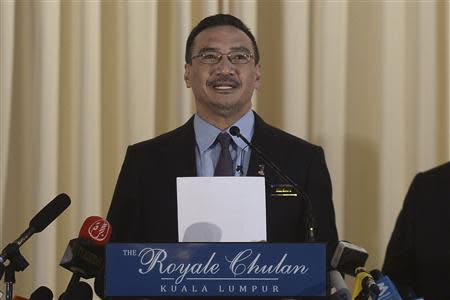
(257, 76)
(187, 75)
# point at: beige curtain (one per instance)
(80, 80)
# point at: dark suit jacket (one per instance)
(418, 255)
(144, 206)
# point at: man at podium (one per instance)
(222, 69)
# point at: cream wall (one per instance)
(81, 80)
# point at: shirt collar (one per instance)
(206, 134)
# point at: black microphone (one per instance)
(348, 257)
(84, 256)
(42, 293)
(38, 223)
(310, 221)
(80, 291)
(50, 212)
(41, 220)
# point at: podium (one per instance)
(215, 269)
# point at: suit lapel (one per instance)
(181, 158)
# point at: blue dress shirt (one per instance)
(208, 149)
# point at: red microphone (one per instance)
(85, 255)
(96, 230)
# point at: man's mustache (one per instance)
(220, 79)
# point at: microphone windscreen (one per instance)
(50, 212)
(234, 130)
(348, 257)
(42, 293)
(96, 230)
(80, 291)
(85, 254)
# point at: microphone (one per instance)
(84, 256)
(338, 287)
(387, 288)
(364, 285)
(96, 229)
(38, 223)
(80, 291)
(348, 257)
(310, 221)
(41, 293)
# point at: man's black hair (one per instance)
(218, 20)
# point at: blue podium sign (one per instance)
(215, 269)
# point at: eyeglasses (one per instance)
(214, 57)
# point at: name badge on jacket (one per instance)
(282, 190)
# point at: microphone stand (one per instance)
(310, 222)
(17, 263)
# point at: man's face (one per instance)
(222, 89)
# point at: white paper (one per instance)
(221, 209)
